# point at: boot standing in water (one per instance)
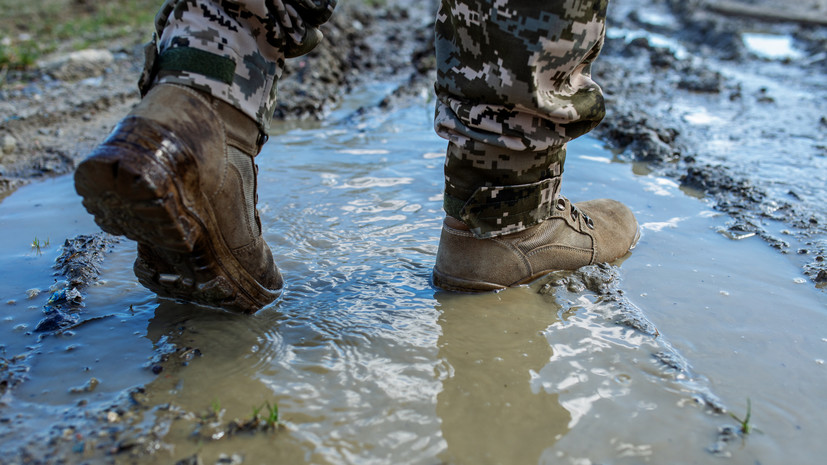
(178, 173)
(513, 87)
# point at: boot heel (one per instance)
(133, 196)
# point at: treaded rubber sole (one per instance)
(134, 192)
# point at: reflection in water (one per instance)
(492, 343)
(490, 348)
(209, 376)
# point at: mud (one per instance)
(680, 98)
(76, 268)
(79, 265)
(604, 284)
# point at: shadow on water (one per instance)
(369, 364)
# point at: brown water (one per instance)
(368, 363)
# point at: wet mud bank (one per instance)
(729, 100)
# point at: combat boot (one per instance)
(575, 235)
(178, 176)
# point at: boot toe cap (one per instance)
(615, 228)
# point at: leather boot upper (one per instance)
(223, 142)
(574, 236)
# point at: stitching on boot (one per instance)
(245, 247)
(519, 253)
(457, 232)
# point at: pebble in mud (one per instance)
(9, 144)
(726, 434)
(90, 386)
(702, 81)
(193, 460)
(234, 459)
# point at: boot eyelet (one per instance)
(561, 204)
(589, 222)
(262, 139)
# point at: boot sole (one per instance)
(131, 189)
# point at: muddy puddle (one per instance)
(368, 363)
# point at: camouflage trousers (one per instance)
(233, 50)
(513, 86)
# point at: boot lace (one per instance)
(574, 212)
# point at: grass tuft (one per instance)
(38, 245)
(30, 30)
(745, 427)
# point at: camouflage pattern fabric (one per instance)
(513, 86)
(234, 50)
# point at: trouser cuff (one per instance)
(497, 191)
(495, 211)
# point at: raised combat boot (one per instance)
(575, 235)
(178, 176)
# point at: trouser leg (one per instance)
(233, 50)
(513, 86)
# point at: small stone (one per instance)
(225, 459)
(79, 65)
(88, 387)
(9, 144)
